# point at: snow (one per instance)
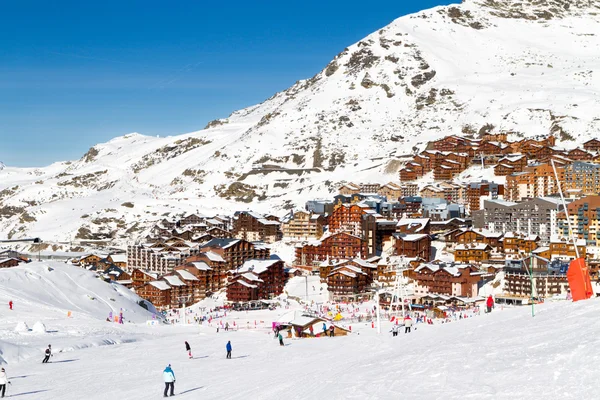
(482, 356)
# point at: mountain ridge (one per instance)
(527, 69)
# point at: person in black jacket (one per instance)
(188, 348)
(48, 354)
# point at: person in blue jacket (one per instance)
(228, 348)
(169, 378)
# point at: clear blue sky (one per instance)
(82, 72)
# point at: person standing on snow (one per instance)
(10, 304)
(280, 339)
(331, 330)
(407, 323)
(395, 330)
(188, 348)
(48, 354)
(228, 348)
(324, 329)
(3, 382)
(226, 326)
(489, 303)
(169, 378)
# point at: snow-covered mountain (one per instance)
(529, 68)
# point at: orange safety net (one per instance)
(579, 279)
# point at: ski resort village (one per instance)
(419, 220)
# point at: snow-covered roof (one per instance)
(160, 285)
(251, 277)
(201, 265)
(186, 275)
(244, 283)
(417, 223)
(212, 256)
(410, 237)
(257, 266)
(118, 258)
(174, 280)
(472, 246)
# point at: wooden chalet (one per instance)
(256, 227)
(578, 154)
(592, 145)
(446, 279)
(211, 267)
(347, 282)
(156, 292)
(341, 245)
(257, 280)
(413, 245)
(141, 277)
(349, 189)
(467, 236)
(473, 252)
(120, 260)
(235, 251)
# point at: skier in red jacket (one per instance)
(489, 303)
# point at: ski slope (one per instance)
(503, 355)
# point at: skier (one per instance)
(10, 304)
(489, 303)
(395, 330)
(188, 348)
(331, 329)
(324, 329)
(407, 323)
(3, 382)
(169, 378)
(226, 326)
(280, 339)
(228, 348)
(48, 354)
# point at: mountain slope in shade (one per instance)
(528, 68)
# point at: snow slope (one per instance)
(503, 355)
(528, 68)
(45, 292)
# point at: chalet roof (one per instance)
(124, 281)
(268, 222)
(346, 270)
(187, 275)
(483, 232)
(541, 250)
(212, 256)
(214, 221)
(148, 273)
(363, 263)
(558, 239)
(257, 266)
(418, 223)
(512, 158)
(333, 263)
(351, 186)
(244, 283)
(251, 277)
(174, 280)
(201, 265)
(160, 285)
(473, 246)
(410, 237)
(222, 243)
(3, 260)
(118, 258)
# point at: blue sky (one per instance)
(84, 72)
